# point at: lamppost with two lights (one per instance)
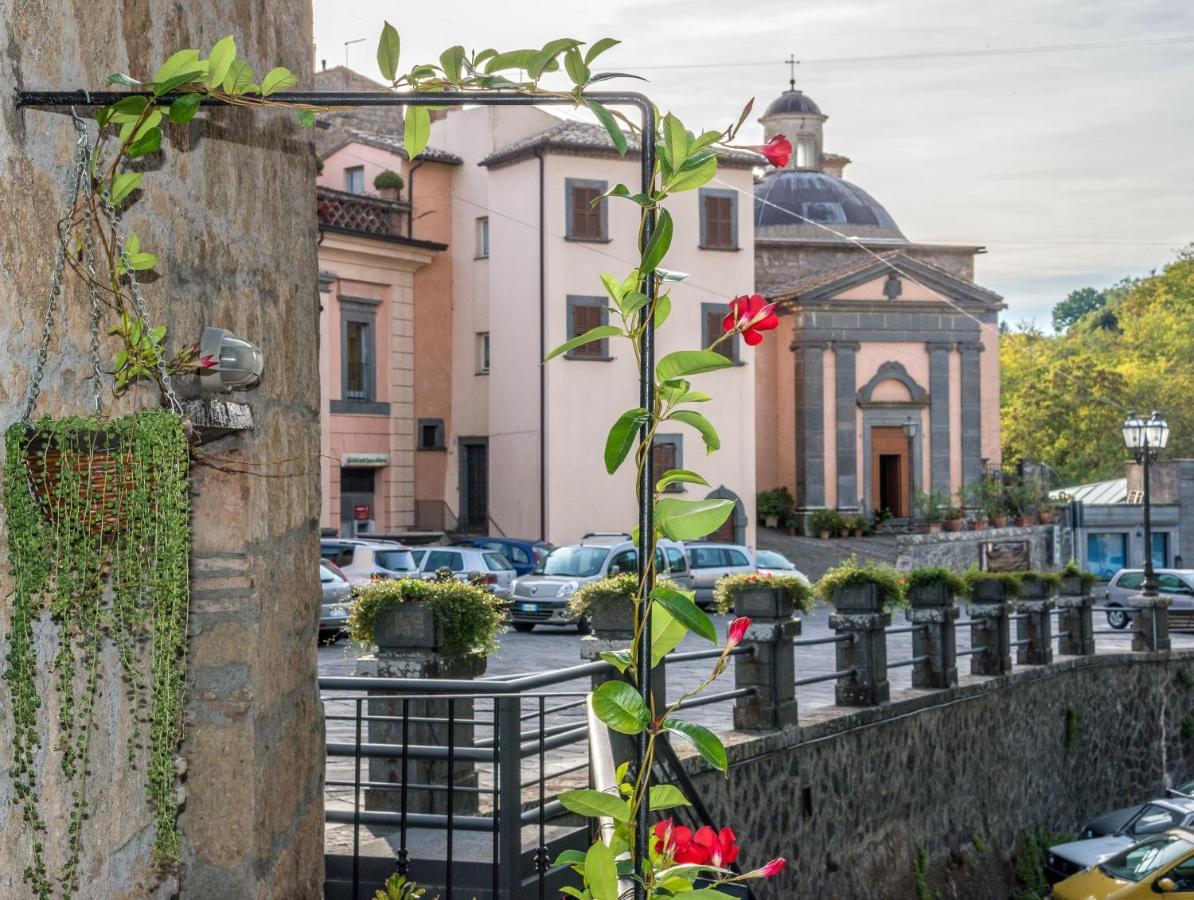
(1144, 439)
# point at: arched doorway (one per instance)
(733, 531)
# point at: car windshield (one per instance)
(1138, 862)
(1153, 819)
(769, 559)
(395, 560)
(573, 562)
(496, 562)
(327, 576)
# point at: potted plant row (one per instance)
(855, 586)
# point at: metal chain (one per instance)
(118, 237)
(82, 154)
(93, 296)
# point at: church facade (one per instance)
(884, 382)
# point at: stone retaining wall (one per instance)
(850, 797)
(960, 549)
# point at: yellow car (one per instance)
(1162, 864)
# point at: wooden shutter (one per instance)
(586, 217)
(719, 222)
(663, 458)
(585, 318)
(713, 329)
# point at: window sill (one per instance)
(590, 358)
(584, 240)
(475, 258)
(431, 449)
(721, 249)
(481, 372)
(359, 407)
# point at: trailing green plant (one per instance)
(468, 619)
(1028, 863)
(1051, 580)
(826, 521)
(880, 515)
(980, 843)
(851, 573)
(798, 591)
(1072, 570)
(1011, 581)
(98, 535)
(923, 576)
(389, 179)
(921, 872)
(775, 503)
(397, 887)
(1073, 729)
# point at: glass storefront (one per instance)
(1106, 552)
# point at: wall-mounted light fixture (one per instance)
(228, 361)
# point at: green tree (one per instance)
(1076, 306)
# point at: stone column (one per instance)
(406, 648)
(771, 669)
(1075, 624)
(989, 630)
(933, 606)
(1151, 623)
(810, 423)
(859, 614)
(939, 453)
(846, 416)
(1037, 629)
(972, 421)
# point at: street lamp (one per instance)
(909, 428)
(1144, 439)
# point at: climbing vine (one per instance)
(98, 536)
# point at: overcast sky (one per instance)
(1073, 167)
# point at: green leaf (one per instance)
(305, 117)
(695, 397)
(141, 262)
(451, 61)
(514, 59)
(606, 118)
(707, 894)
(601, 872)
(132, 243)
(418, 130)
(123, 184)
(575, 66)
(669, 275)
(239, 79)
(621, 437)
(704, 140)
(619, 706)
(569, 858)
(690, 520)
(593, 334)
(657, 246)
(277, 79)
(387, 52)
(682, 606)
(705, 741)
(126, 80)
(679, 476)
(619, 659)
(220, 60)
(666, 634)
(613, 287)
(690, 362)
(600, 47)
(633, 302)
(149, 142)
(688, 179)
(701, 424)
(184, 108)
(127, 109)
(663, 309)
(170, 84)
(559, 45)
(675, 141)
(569, 891)
(596, 803)
(666, 796)
(177, 64)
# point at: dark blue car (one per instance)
(523, 555)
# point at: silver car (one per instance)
(1176, 584)
(541, 598)
(710, 561)
(1064, 860)
(496, 572)
(336, 601)
(769, 562)
(363, 561)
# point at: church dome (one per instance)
(823, 199)
(792, 102)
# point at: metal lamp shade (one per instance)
(239, 362)
(1133, 431)
(1157, 431)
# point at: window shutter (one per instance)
(713, 329)
(663, 458)
(586, 218)
(585, 318)
(719, 222)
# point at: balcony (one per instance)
(361, 214)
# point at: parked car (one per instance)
(1177, 584)
(336, 601)
(497, 572)
(710, 561)
(541, 598)
(524, 555)
(768, 562)
(1154, 817)
(363, 561)
(1114, 821)
(1162, 864)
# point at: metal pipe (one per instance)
(603, 775)
(542, 349)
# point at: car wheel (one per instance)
(523, 627)
(1118, 618)
(584, 626)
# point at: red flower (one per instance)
(719, 847)
(677, 840)
(773, 868)
(737, 631)
(777, 150)
(750, 315)
(207, 361)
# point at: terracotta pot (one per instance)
(1046, 516)
(825, 535)
(934, 528)
(791, 531)
(978, 525)
(954, 524)
(999, 521)
(857, 532)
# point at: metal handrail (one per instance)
(832, 676)
(812, 642)
(911, 661)
(906, 629)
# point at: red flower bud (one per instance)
(737, 631)
(207, 361)
(750, 315)
(773, 868)
(777, 150)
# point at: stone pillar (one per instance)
(859, 614)
(972, 416)
(1075, 624)
(939, 453)
(933, 606)
(846, 417)
(990, 635)
(1150, 623)
(406, 648)
(810, 423)
(1037, 628)
(771, 669)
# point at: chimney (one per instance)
(833, 164)
(324, 63)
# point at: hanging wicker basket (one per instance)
(91, 464)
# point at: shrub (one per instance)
(467, 618)
(1071, 570)
(1010, 580)
(612, 587)
(388, 179)
(798, 590)
(930, 506)
(851, 572)
(923, 576)
(826, 520)
(776, 502)
(1051, 580)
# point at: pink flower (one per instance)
(737, 631)
(777, 150)
(773, 868)
(207, 361)
(750, 315)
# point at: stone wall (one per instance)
(229, 210)
(961, 549)
(851, 797)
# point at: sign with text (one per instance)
(1006, 556)
(362, 512)
(364, 460)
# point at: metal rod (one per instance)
(812, 642)
(451, 794)
(832, 676)
(972, 651)
(541, 850)
(417, 820)
(356, 810)
(909, 629)
(908, 662)
(719, 697)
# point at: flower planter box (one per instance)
(979, 525)
(612, 619)
(1074, 586)
(1033, 589)
(1046, 517)
(930, 596)
(858, 598)
(405, 626)
(989, 592)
